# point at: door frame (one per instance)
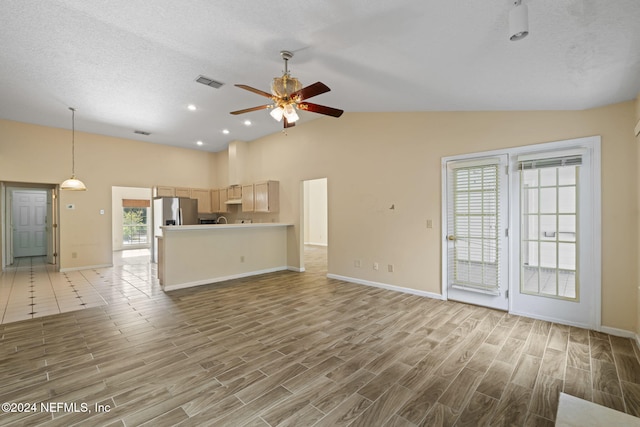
(53, 215)
(593, 143)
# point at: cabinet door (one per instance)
(165, 192)
(204, 199)
(183, 192)
(247, 198)
(266, 196)
(223, 199)
(215, 201)
(234, 192)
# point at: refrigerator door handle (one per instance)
(180, 216)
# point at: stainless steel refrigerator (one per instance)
(172, 211)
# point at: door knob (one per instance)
(451, 237)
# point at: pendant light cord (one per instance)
(73, 141)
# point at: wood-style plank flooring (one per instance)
(298, 349)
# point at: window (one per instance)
(548, 226)
(134, 222)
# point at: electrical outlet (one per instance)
(376, 267)
(357, 263)
(242, 258)
(74, 254)
(429, 223)
(390, 268)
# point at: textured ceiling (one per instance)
(131, 64)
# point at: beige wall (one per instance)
(375, 160)
(371, 160)
(40, 154)
(638, 213)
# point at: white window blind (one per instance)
(475, 262)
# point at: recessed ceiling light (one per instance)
(192, 107)
(247, 122)
(225, 131)
(199, 142)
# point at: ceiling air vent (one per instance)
(141, 132)
(209, 82)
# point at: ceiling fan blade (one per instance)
(321, 109)
(310, 91)
(248, 110)
(254, 90)
(288, 124)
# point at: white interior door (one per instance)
(476, 239)
(29, 223)
(557, 276)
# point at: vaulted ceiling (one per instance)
(131, 64)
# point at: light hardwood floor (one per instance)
(298, 349)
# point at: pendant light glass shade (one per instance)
(73, 183)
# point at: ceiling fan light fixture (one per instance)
(277, 113)
(290, 113)
(73, 183)
(518, 21)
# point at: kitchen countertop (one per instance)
(222, 226)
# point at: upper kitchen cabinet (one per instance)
(183, 192)
(234, 192)
(222, 198)
(247, 198)
(165, 192)
(267, 196)
(215, 201)
(204, 199)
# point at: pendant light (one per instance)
(73, 183)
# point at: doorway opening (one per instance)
(131, 218)
(315, 226)
(29, 217)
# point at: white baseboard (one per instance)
(315, 244)
(618, 332)
(86, 267)
(177, 286)
(386, 286)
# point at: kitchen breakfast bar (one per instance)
(193, 255)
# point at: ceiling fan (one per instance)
(288, 95)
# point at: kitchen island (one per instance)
(193, 255)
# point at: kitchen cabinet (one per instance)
(267, 196)
(215, 201)
(247, 198)
(234, 192)
(183, 192)
(165, 192)
(204, 199)
(222, 197)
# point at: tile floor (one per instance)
(31, 288)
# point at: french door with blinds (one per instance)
(476, 240)
(522, 230)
